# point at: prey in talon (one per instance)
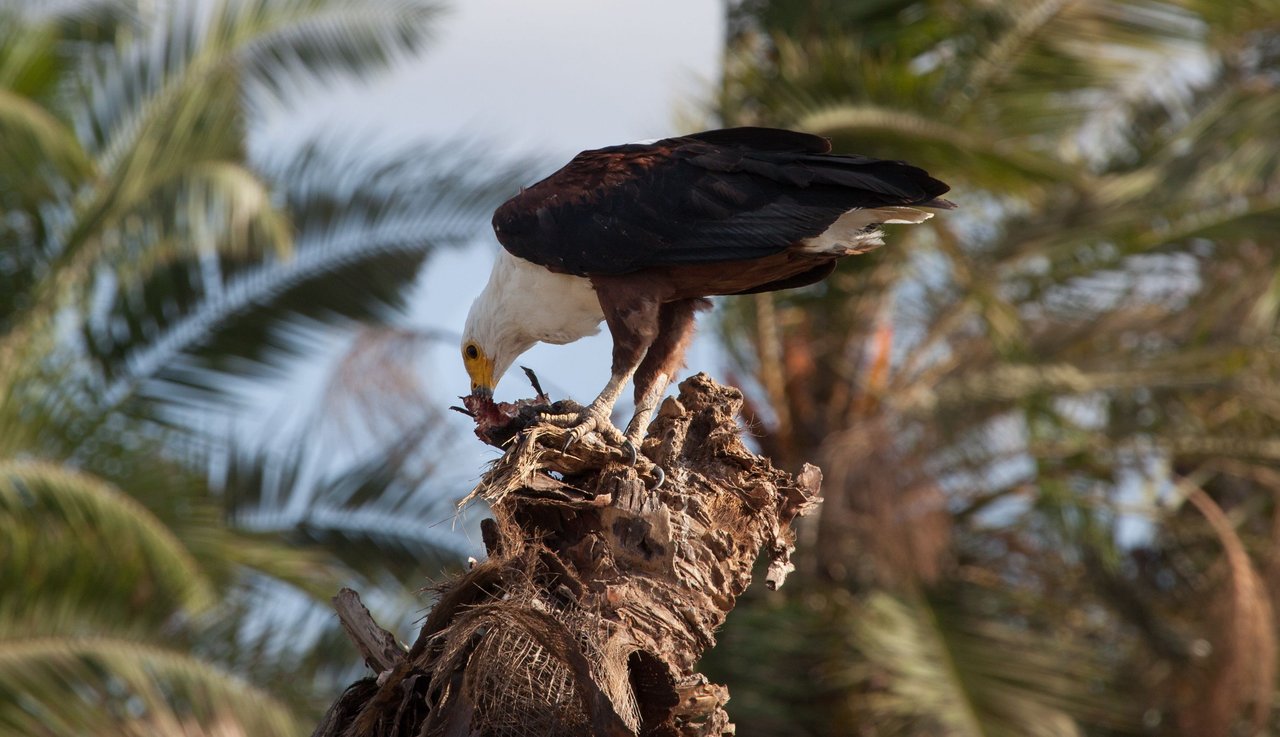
(498, 422)
(638, 236)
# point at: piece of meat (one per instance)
(498, 422)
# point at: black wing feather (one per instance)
(728, 195)
(765, 139)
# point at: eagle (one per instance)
(638, 236)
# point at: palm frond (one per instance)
(297, 43)
(1224, 150)
(387, 513)
(269, 633)
(770, 635)
(1228, 23)
(999, 57)
(219, 209)
(40, 156)
(1084, 320)
(357, 219)
(186, 49)
(943, 671)
(145, 131)
(1242, 671)
(159, 106)
(212, 210)
(880, 131)
(311, 570)
(71, 534)
(1013, 382)
(32, 138)
(84, 21)
(68, 685)
(1073, 77)
(389, 256)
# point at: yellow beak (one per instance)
(480, 369)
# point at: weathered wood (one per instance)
(600, 593)
(379, 647)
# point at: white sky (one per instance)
(552, 76)
(545, 79)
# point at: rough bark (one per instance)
(599, 595)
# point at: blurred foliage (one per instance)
(1048, 418)
(146, 265)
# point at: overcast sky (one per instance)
(552, 76)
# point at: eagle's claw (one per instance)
(588, 420)
(629, 448)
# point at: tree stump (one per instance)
(599, 595)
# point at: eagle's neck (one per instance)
(524, 303)
(549, 307)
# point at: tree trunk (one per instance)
(599, 595)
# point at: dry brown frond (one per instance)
(1239, 673)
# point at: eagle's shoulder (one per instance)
(583, 193)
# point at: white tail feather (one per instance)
(855, 231)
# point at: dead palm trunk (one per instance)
(598, 596)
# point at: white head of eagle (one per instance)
(524, 304)
(639, 235)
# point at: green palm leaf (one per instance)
(75, 686)
(32, 138)
(383, 515)
(371, 220)
(880, 131)
(73, 538)
(133, 210)
(944, 671)
(310, 41)
(212, 208)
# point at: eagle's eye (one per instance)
(471, 352)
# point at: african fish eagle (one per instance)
(640, 235)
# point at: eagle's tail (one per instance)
(858, 231)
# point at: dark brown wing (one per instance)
(727, 195)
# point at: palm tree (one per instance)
(144, 261)
(1042, 421)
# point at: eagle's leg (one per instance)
(633, 323)
(595, 416)
(664, 358)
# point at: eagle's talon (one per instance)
(629, 448)
(662, 477)
(579, 425)
(578, 432)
